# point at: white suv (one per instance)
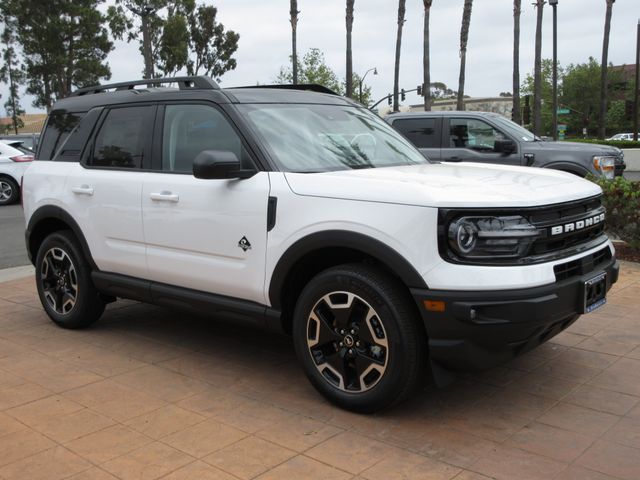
(301, 211)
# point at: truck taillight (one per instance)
(22, 158)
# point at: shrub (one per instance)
(611, 143)
(622, 201)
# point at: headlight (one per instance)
(605, 165)
(476, 238)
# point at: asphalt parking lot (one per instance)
(150, 393)
(12, 249)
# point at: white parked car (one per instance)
(13, 164)
(622, 136)
(303, 211)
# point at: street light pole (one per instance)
(375, 72)
(635, 103)
(554, 4)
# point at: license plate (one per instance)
(595, 293)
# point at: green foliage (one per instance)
(611, 143)
(314, 69)
(579, 91)
(175, 35)
(622, 201)
(212, 47)
(12, 74)
(64, 45)
(547, 94)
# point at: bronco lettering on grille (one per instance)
(579, 225)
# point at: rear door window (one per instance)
(123, 140)
(422, 132)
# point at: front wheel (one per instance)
(64, 284)
(357, 336)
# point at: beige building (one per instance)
(501, 105)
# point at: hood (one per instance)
(467, 185)
(588, 148)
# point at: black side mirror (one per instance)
(218, 164)
(506, 147)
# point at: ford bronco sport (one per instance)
(299, 210)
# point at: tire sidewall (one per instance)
(380, 394)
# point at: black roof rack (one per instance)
(184, 83)
(311, 87)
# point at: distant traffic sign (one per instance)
(564, 111)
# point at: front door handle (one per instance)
(82, 190)
(164, 196)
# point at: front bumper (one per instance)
(480, 329)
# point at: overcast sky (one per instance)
(265, 40)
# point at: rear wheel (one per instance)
(357, 336)
(63, 278)
(9, 191)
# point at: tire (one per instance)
(357, 335)
(63, 279)
(9, 191)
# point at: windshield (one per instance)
(515, 129)
(319, 138)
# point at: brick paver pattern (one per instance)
(150, 393)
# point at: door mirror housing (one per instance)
(219, 164)
(506, 147)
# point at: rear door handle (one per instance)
(82, 190)
(164, 196)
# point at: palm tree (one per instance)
(515, 114)
(537, 72)
(396, 76)
(294, 49)
(464, 37)
(604, 71)
(426, 61)
(350, 5)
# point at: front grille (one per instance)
(572, 214)
(583, 265)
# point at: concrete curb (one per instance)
(15, 273)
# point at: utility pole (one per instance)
(635, 103)
(554, 4)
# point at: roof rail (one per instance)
(184, 83)
(312, 87)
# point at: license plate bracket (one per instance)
(595, 293)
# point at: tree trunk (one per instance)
(350, 5)
(426, 59)
(146, 47)
(602, 131)
(12, 92)
(537, 73)
(516, 116)
(464, 38)
(396, 74)
(294, 47)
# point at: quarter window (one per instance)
(191, 129)
(473, 134)
(59, 126)
(420, 131)
(122, 139)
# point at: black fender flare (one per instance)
(393, 260)
(47, 212)
(567, 166)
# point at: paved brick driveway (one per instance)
(148, 393)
